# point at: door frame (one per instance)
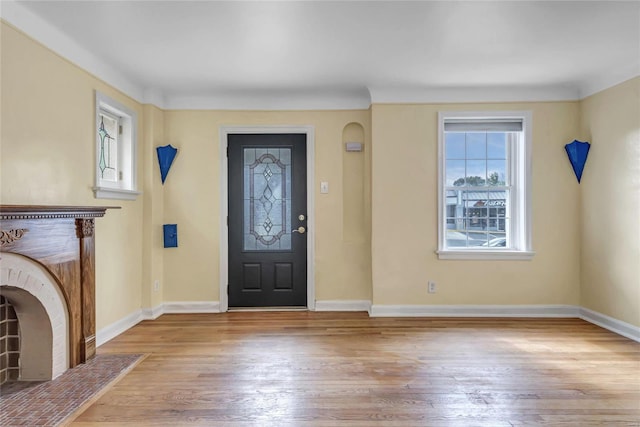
(309, 131)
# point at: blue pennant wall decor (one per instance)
(578, 152)
(166, 155)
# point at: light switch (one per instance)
(324, 187)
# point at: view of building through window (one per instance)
(477, 188)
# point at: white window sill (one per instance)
(115, 193)
(490, 255)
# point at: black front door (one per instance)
(267, 220)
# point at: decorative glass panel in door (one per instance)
(267, 199)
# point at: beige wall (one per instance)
(192, 200)
(47, 157)
(153, 199)
(611, 203)
(404, 210)
(47, 152)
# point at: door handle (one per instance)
(300, 230)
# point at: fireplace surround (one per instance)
(47, 272)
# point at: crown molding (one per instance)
(432, 95)
(21, 18)
(154, 97)
(286, 99)
(613, 77)
(51, 37)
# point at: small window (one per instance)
(484, 190)
(115, 150)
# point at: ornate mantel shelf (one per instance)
(60, 238)
(52, 212)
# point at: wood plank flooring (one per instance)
(346, 369)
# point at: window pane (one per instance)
(497, 215)
(108, 149)
(476, 145)
(476, 218)
(496, 145)
(455, 173)
(476, 172)
(497, 172)
(285, 156)
(457, 238)
(454, 148)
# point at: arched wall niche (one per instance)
(353, 184)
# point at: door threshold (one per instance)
(286, 308)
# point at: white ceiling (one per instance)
(202, 54)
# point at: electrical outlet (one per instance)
(432, 287)
(156, 286)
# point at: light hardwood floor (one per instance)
(346, 369)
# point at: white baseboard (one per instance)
(343, 305)
(378, 310)
(113, 330)
(180, 307)
(191, 307)
(153, 313)
(614, 325)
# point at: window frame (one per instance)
(519, 161)
(126, 187)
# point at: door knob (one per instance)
(300, 230)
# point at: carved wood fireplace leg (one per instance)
(85, 230)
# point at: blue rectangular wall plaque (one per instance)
(170, 235)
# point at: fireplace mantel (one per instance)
(60, 238)
(51, 212)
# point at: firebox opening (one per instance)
(42, 317)
(9, 342)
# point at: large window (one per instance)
(484, 185)
(115, 150)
